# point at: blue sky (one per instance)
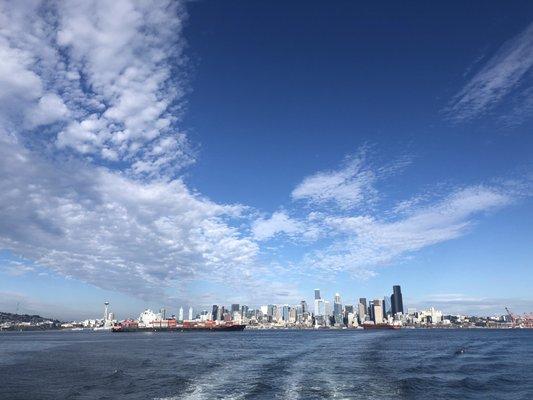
(214, 152)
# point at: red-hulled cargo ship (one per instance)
(381, 326)
(172, 325)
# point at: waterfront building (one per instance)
(293, 315)
(270, 310)
(386, 306)
(318, 303)
(180, 314)
(285, 313)
(327, 308)
(305, 308)
(236, 317)
(278, 313)
(244, 311)
(234, 307)
(361, 309)
(430, 316)
(190, 314)
(396, 300)
(214, 312)
(377, 311)
(351, 319)
(337, 309)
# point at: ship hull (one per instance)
(380, 326)
(229, 328)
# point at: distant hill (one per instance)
(9, 321)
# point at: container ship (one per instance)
(381, 326)
(164, 327)
(151, 322)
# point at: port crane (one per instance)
(520, 321)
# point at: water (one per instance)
(406, 364)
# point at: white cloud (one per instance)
(128, 52)
(17, 268)
(366, 242)
(504, 72)
(24, 97)
(112, 72)
(104, 82)
(348, 187)
(103, 228)
(279, 222)
(50, 108)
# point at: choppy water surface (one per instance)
(407, 364)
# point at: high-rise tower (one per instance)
(396, 300)
(361, 310)
(337, 309)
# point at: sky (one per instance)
(160, 153)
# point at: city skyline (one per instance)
(175, 154)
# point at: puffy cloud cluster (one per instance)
(112, 231)
(90, 94)
(110, 72)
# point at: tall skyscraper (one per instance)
(270, 310)
(305, 309)
(244, 311)
(320, 308)
(337, 309)
(396, 300)
(190, 313)
(318, 303)
(234, 307)
(285, 312)
(180, 314)
(386, 305)
(377, 311)
(214, 312)
(361, 310)
(327, 308)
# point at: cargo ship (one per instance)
(150, 321)
(171, 325)
(381, 326)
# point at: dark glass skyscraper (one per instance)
(317, 294)
(396, 300)
(214, 312)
